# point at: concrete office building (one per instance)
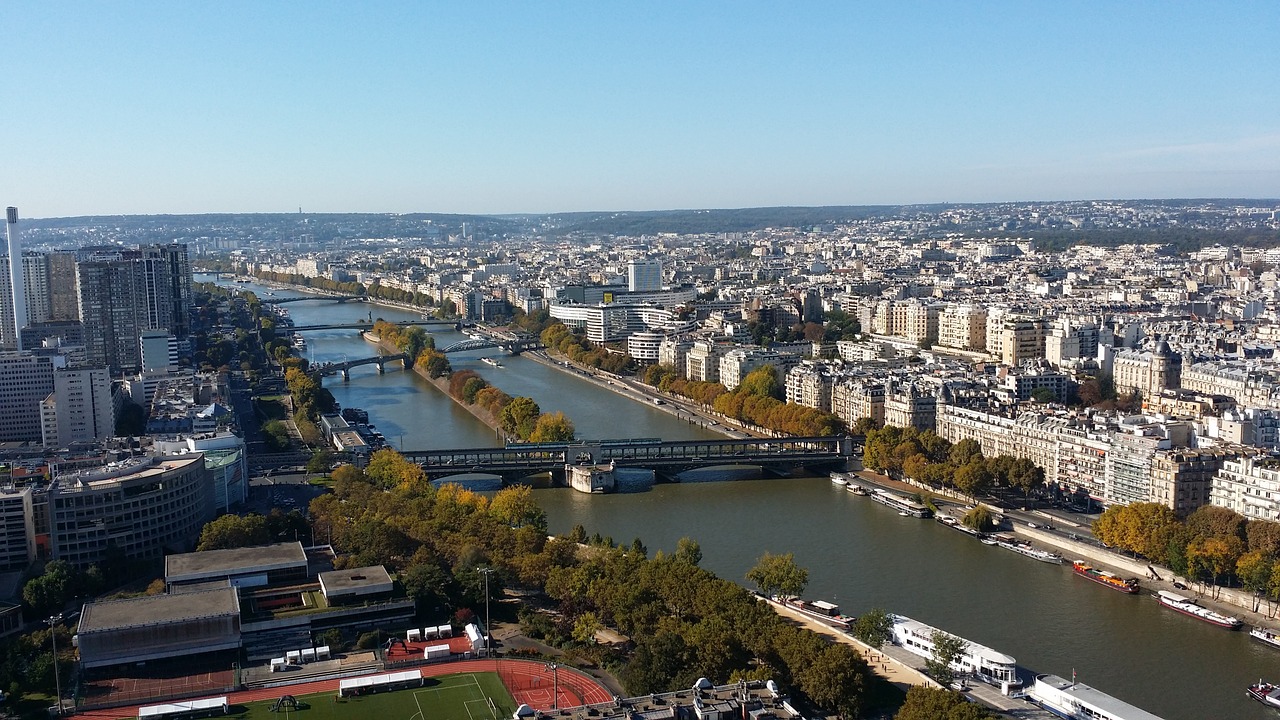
(644, 275)
(34, 285)
(80, 408)
(26, 379)
(143, 506)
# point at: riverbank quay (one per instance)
(1230, 601)
(672, 404)
(903, 669)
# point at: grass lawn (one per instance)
(272, 408)
(452, 697)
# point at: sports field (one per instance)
(467, 696)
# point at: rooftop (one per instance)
(202, 565)
(153, 610)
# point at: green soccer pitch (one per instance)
(468, 696)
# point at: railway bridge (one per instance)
(779, 456)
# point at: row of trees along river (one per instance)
(859, 554)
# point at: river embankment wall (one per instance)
(440, 383)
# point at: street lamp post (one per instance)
(487, 632)
(53, 639)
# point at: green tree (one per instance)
(429, 585)
(778, 574)
(761, 382)
(973, 478)
(1254, 570)
(688, 551)
(930, 703)
(1026, 476)
(873, 627)
(1044, 395)
(515, 507)
(552, 427)
(519, 417)
(233, 531)
(836, 679)
(947, 648)
(320, 461)
(964, 451)
(979, 519)
(276, 435)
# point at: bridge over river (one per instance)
(667, 459)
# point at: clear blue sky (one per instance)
(535, 106)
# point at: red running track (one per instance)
(530, 682)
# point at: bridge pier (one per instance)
(346, 375)
(382, 369)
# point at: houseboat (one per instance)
(1077, 701)
(901, 504)
(976, 661)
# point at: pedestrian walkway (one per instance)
(905, 669)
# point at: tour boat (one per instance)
(981, 662)
(1024, 548)
(1266, 635)
(1265, 693)
(1102, 577)
(1188, 606)
(857, 489)
(490, 361)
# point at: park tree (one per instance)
(1264, 536)
(276, 435)
(964, 451)
(519, 417)
(930, 703)
(428, 584)
(1026, 476)
(1254, 570)
(320, 461)
(972, 478)
(874, 627)
(979, 519)
(1208, 521)
(552, 427)
(688, 551)
(233, 531)
(947, 648)
(515, 507)
(761, 382)
(836, 679)
(778, 574)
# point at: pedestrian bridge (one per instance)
(514, 461)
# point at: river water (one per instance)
(858, 553)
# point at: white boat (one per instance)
(1024, 548)
(1266, 635)
(1077, 701)
(491, 361)
(979, 661)
(1265, 693)
(857, 489)
(955, 524)
(1189, 606)
(903, 505)
(839, 479)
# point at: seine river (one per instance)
(858, 553)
